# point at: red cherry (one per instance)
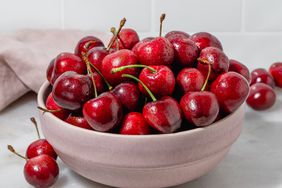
(54, 108)
(261, 96)
(118, 59)
(156, 51)
(96, 55)
(128, 94)
(135, 124)
(127, 38)
(163, 115)
(276, 71)
(39, 171)
(200, 108)
(67, 62)
(190, 79)
(136, 47)
(49, 70)
(177, 34)
(261, 75)
(240, 68)
(78, 121)
(87, 43)
(160, 83)
(40, 146)
(71, 90)
(216, 58)
(103, 113)
(185, 51)
(204, 40)
(231, 90)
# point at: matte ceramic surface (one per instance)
(140, 161)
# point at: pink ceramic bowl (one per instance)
(140, 161)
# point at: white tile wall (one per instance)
(250, 30)
(199, 15)
(102, 15)
(262, 15)
(17, 14)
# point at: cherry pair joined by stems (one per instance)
(200, 108)
(41, 168)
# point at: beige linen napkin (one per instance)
(25, 55)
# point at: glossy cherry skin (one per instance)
(99, 82)
(218, 60)
(160, 83)
(72, 90)
(103, 113)
(96, 55)
(261, 96)
(190, 79)
(40, 147)
(177, 34)
(51, 105)
(136, 47)
(78, 121)
(231, 89)
(127, 38)
(261, 75)
(240, 68)
(276, 72)
(49, 70)
(163, 115)
(87, 43)
(118, 59)
(134, 124)
(200, 108)
(128, 94)
(186, 51)
(67, 62)
(204, 40)
(41, 171)
(158, 51)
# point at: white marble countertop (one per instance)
(255, 160)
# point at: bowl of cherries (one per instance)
(155, 112)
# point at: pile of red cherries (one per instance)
(156, 85)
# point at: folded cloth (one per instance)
(25, 55)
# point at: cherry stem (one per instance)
(139, 81)
(98, 71)
(118, 69)
(32, 119)
(121, 24)
(87, 44)
(46, 110)
(161, 23)
(91, 73)
(208, 75)
(113, 31)
(11, 149)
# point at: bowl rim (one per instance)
(41, 103)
